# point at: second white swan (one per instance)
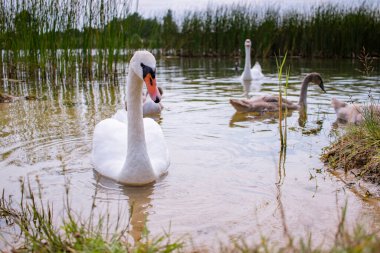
(248, 73)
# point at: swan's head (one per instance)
(143, 64)
(317, 79)
(247, 43)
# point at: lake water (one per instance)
(227, 176)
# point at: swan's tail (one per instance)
(337, 104)
(239, 105)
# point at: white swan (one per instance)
(149, 106)
(133, 151)
(248, 73)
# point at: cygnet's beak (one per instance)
(152, 88)
(322, 87)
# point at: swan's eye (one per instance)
(148, 70)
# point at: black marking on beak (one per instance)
(148, 70)
(157, 100)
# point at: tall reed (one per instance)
(59, 36)
(282, 91)
(327, 31)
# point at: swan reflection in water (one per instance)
(267, 117)
(307, 128)
(271, 117)
(251, 86)
(139, 202)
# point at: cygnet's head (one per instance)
(317, 79)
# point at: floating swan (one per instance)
(271, 103)
(352, 113)
(133, 152)
(248, 73)
(150, 107)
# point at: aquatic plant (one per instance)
(36, 232)
(58, 36)
(219, 30)
(282, 129)
(39, 231)
(366, 63)
(94, 35)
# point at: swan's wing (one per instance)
(275, 100)
(256, 67)
(121, 115)
(270, 99)
(256, 71)
(156, 145)
(109, 147)
(252, 105)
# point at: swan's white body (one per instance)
(250, 74)
(132, 149)
(150, 107)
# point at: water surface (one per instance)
(227, 177)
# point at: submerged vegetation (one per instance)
(94, 35)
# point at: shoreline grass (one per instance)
(36, 232)
(357, 150)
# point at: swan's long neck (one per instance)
(303, 95)
(135, 114)
(137, 168)
(247, 67)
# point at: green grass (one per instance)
(358, 148)
(32, 219)
(39, 232)
(59, 36)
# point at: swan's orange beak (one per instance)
(152, 88)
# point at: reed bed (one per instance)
(327, 31)
(58, 36)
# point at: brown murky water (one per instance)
(227, 177)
